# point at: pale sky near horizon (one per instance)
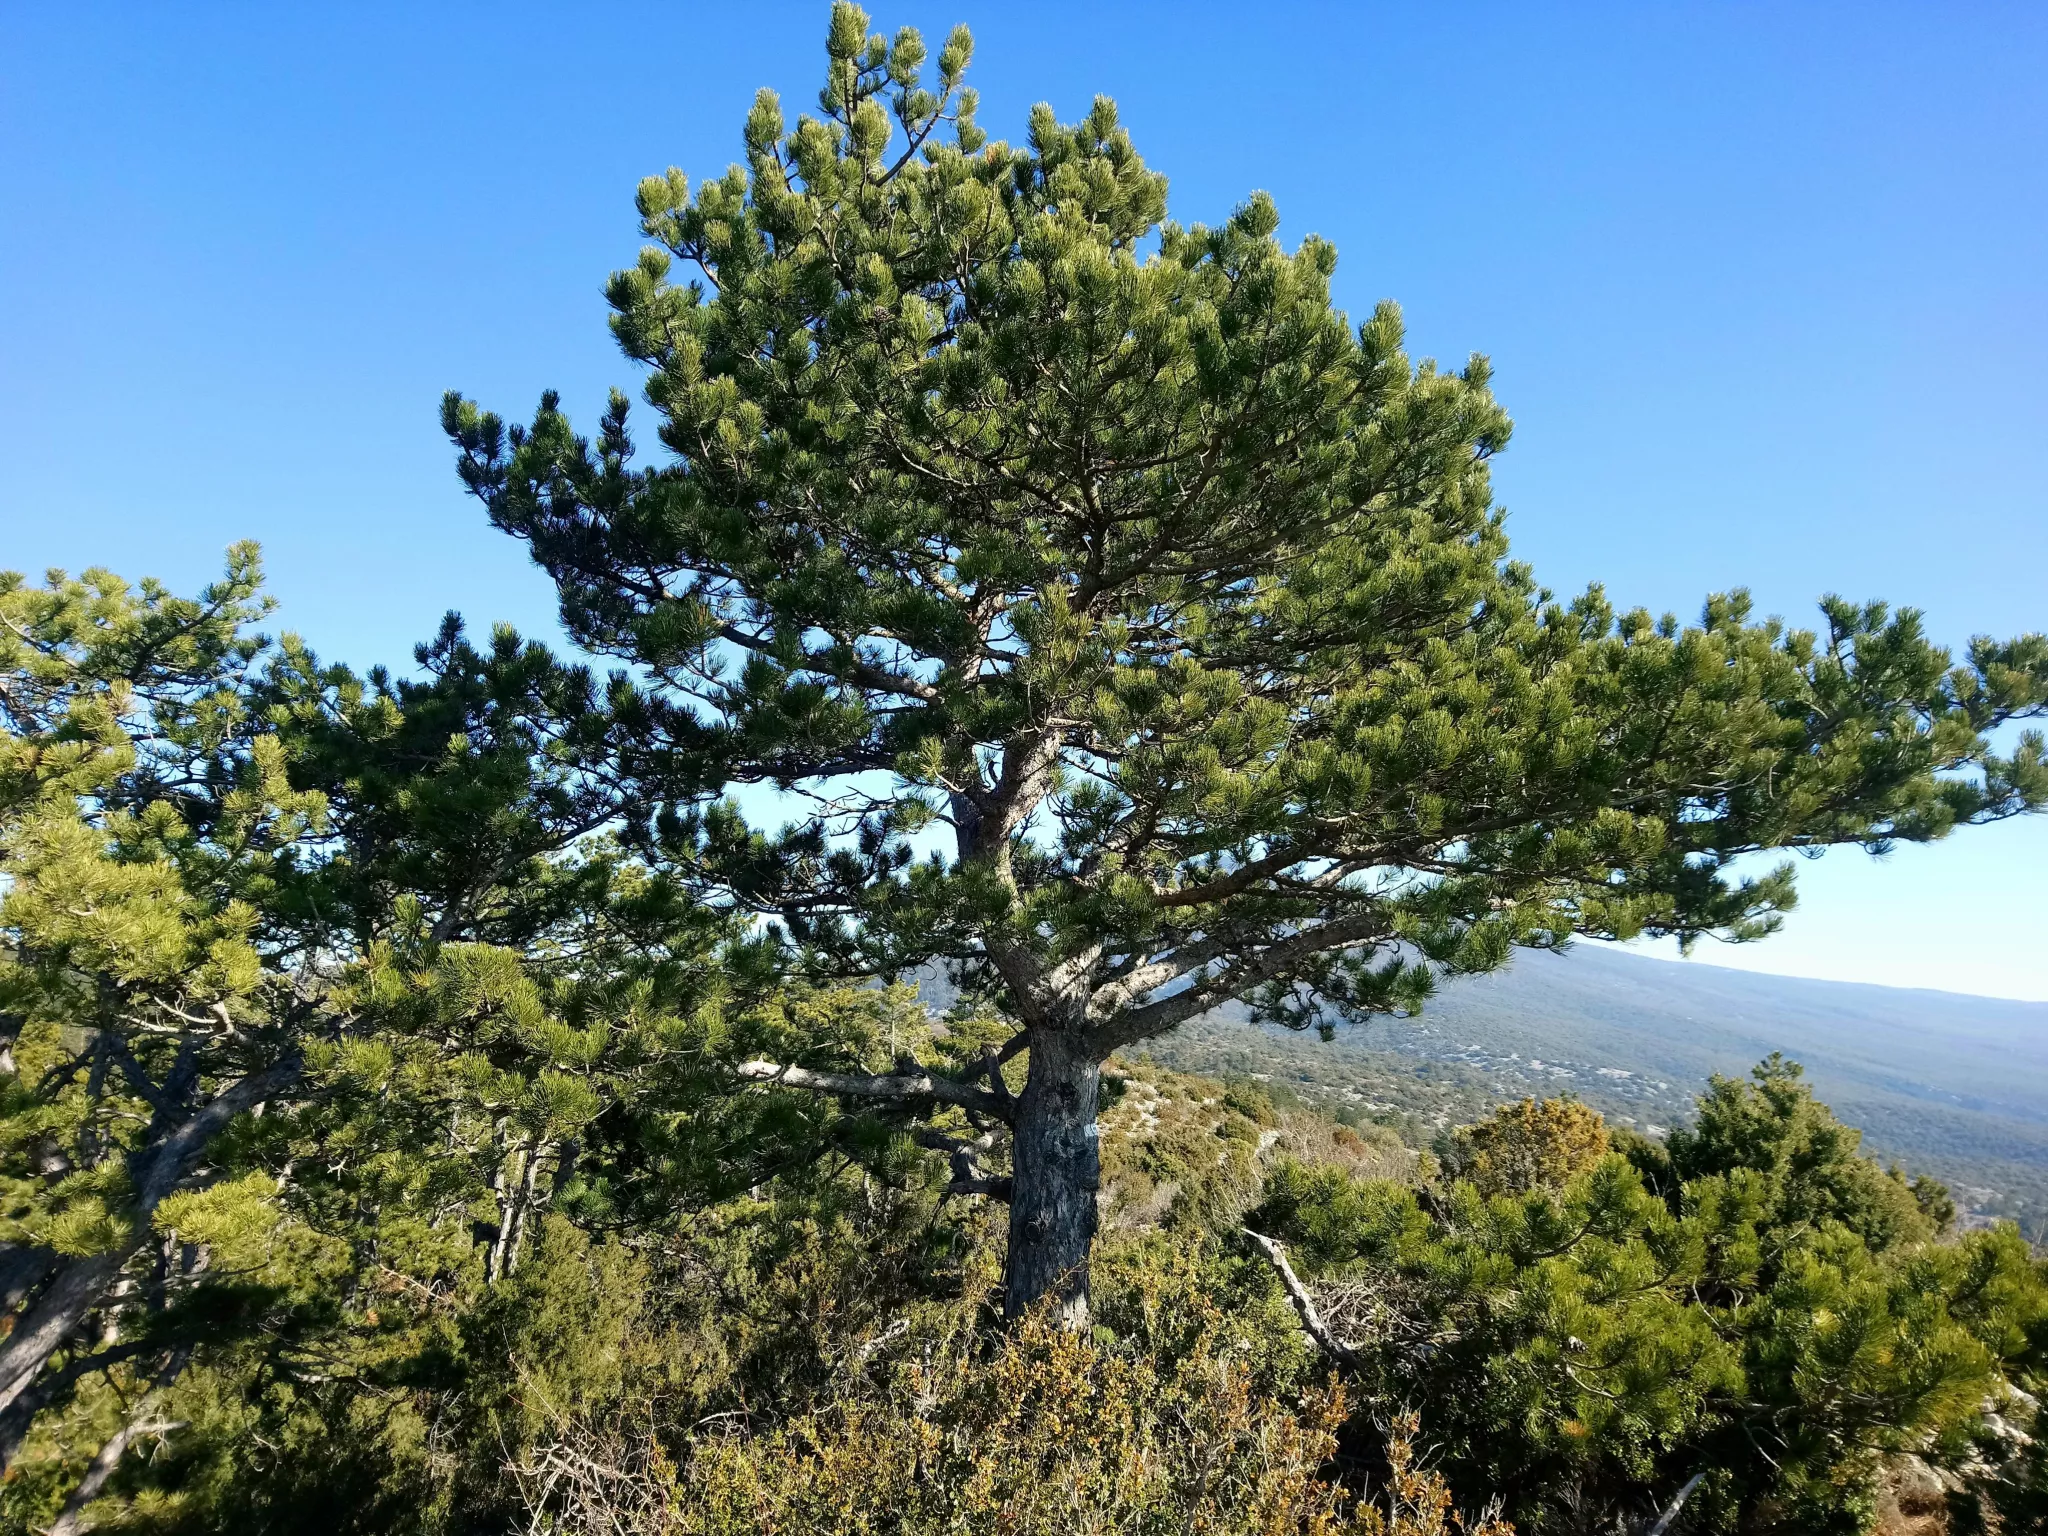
(1765, 287)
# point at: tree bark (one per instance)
(23, 1267)
(1056, 1155)
(81, 1282)
(61, 1308)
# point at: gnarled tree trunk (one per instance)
(1056, 1153)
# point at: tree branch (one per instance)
(1274, 961)
(80, 1282)
(49, 1387)
(109, 1457)
(899, 1085)
(1304, 1304)
(968, 1179)
(1671, 1510)
(1245, 875)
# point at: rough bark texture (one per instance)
(1056, 1152)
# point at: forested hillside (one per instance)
(1947, 1084)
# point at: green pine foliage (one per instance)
(323, 996)
(1756, 1304)
(1138, 628)
(431, 1104)
(147, 827)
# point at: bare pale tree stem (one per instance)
(1671, 1510)
(1304, 1304)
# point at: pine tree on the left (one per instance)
(146, 824)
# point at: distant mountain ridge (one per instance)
(1948, 1083)
(1988, 1054)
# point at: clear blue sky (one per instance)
(1766, 288)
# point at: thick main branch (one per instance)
(895, 1085)
(1275, 962)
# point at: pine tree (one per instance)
(1136, 633)
(382, 913)
(1754, 1321)
(146, 823)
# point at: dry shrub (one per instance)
(1416, 1501)
(1535, 1144)
(1034, 1432)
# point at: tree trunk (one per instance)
(79, 1285)
(1056, 1157)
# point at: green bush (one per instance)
(1757, 1304)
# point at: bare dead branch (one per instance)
(1671, 1510)
(1311, 1320)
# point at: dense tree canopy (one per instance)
(489, 1098)
(380, 1155)
(381, 918)
(1133, 631)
